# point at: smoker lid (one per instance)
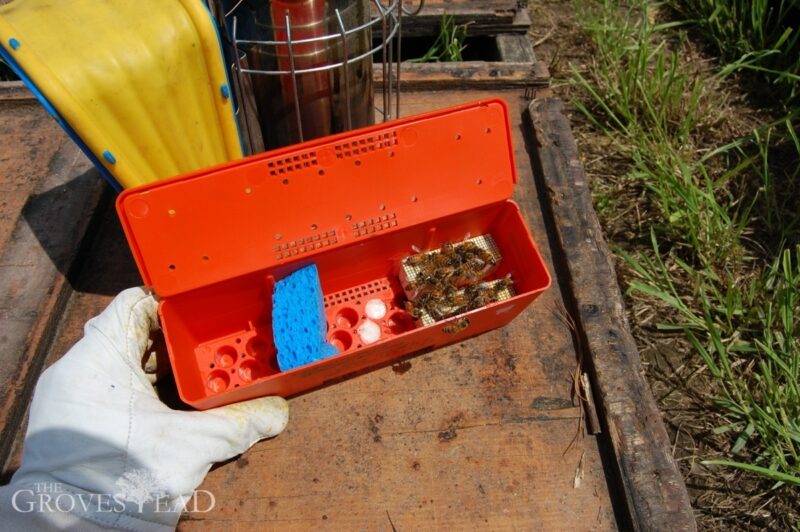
(295, 202)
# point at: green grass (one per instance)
(449, 43)
(759, 35)
(719, 248)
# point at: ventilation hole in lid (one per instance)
(211, 365)
(391, 154)
(204, 257)
(285, 181)
(479, 181)
(172, 266)
(382, 207)
(414, 199)
(358, 162)
(458, 136)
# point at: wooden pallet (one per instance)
(482, 434)
(483, 18)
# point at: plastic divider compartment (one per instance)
(220, 337)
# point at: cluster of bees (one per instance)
(447, 282)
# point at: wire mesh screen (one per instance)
(302, 69)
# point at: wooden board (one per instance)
(480, 434)
(48, 194)
(474, 434)
(656, 496)
(467, 75)
(482, 18)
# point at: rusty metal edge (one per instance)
(651, 482)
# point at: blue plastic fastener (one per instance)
(13, 43)
(225, 90)
(108, 156)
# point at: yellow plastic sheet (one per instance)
(142, 82)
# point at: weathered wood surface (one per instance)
(515, 48)
(48, 194)
(467, 75)
(482, 18)
(475, 435)
(655, 492)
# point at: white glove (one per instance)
(103, 451)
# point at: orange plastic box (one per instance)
(211, 244)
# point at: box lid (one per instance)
(275, 207)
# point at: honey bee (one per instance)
(504, 283)
(415, 260)
(436, 288)
(479, 295)
(413, 311)
(456, 326)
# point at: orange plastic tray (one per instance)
(212, 243)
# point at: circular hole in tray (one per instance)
(250, 370)
(257, 348)
(391, 153)
(218, 381)
(285, 181)
(458, 136)
(225, 356)
(321, 172)
(479, 181)
(348, 217)
(341, 340)
(414, 199)
(358, 163)
(313, 227)
(172, 266)
(399, 322)
(346, 318)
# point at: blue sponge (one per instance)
(298, 320)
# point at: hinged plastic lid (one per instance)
(292, 203)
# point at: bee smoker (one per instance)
(303, 69)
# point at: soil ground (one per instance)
(723, 499)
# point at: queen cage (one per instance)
(317, 203)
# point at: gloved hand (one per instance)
(102, 450)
